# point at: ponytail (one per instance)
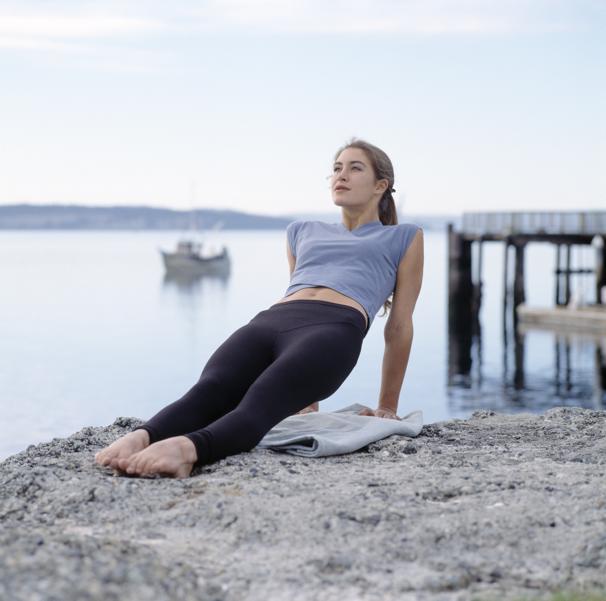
(387, 208)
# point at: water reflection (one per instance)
(193, 284)
(568, 368)
(190, 292)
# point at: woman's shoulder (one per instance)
(409, 226)
(295, 225)
(404, 235)
(403, 231)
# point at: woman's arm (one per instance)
(398, 332)
(291, 258)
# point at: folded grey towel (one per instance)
(337, 432)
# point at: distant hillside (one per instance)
(26, 216)
(80, 217)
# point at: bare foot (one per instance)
(124, 447)
(173, 457)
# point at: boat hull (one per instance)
(193, 264)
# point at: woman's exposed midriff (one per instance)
(325, 294)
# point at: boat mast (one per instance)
(192, 202)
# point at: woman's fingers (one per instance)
(386, 414)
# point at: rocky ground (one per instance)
(493, 507)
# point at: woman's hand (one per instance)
(314, 407)
(386, 413)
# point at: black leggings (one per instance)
(286, 357)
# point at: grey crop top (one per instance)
(361, 263)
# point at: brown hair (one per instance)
(383, 169)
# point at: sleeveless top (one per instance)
(361, 263)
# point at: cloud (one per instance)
(73, 26)
(413, 17)
(61, 32)
(49, 26)
(66, 23)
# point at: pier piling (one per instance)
(519, 292)
(460, 283)
(600, 271)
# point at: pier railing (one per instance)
(533, 223)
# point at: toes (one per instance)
(146, 463)
(106, 455)
(140, 466)
(131, 468)
(102, 458)
(133, 463)
(154, 467)
(123, 462)
(139, 463)
(119, 460)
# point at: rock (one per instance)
(493, 507)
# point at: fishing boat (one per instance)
(188, 258)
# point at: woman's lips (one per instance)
(341, 189)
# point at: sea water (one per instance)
(92, 329)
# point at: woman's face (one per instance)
(353, 181)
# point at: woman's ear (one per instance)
(382, 185)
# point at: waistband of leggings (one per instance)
(327, 303)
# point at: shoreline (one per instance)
(496, 506)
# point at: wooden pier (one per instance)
(567, 318)
(516, 230)
(592, 319)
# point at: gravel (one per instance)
(492, 507)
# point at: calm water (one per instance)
(91, 329)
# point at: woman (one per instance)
(304, 346)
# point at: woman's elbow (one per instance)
(402, 331)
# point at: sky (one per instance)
(482, 105)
